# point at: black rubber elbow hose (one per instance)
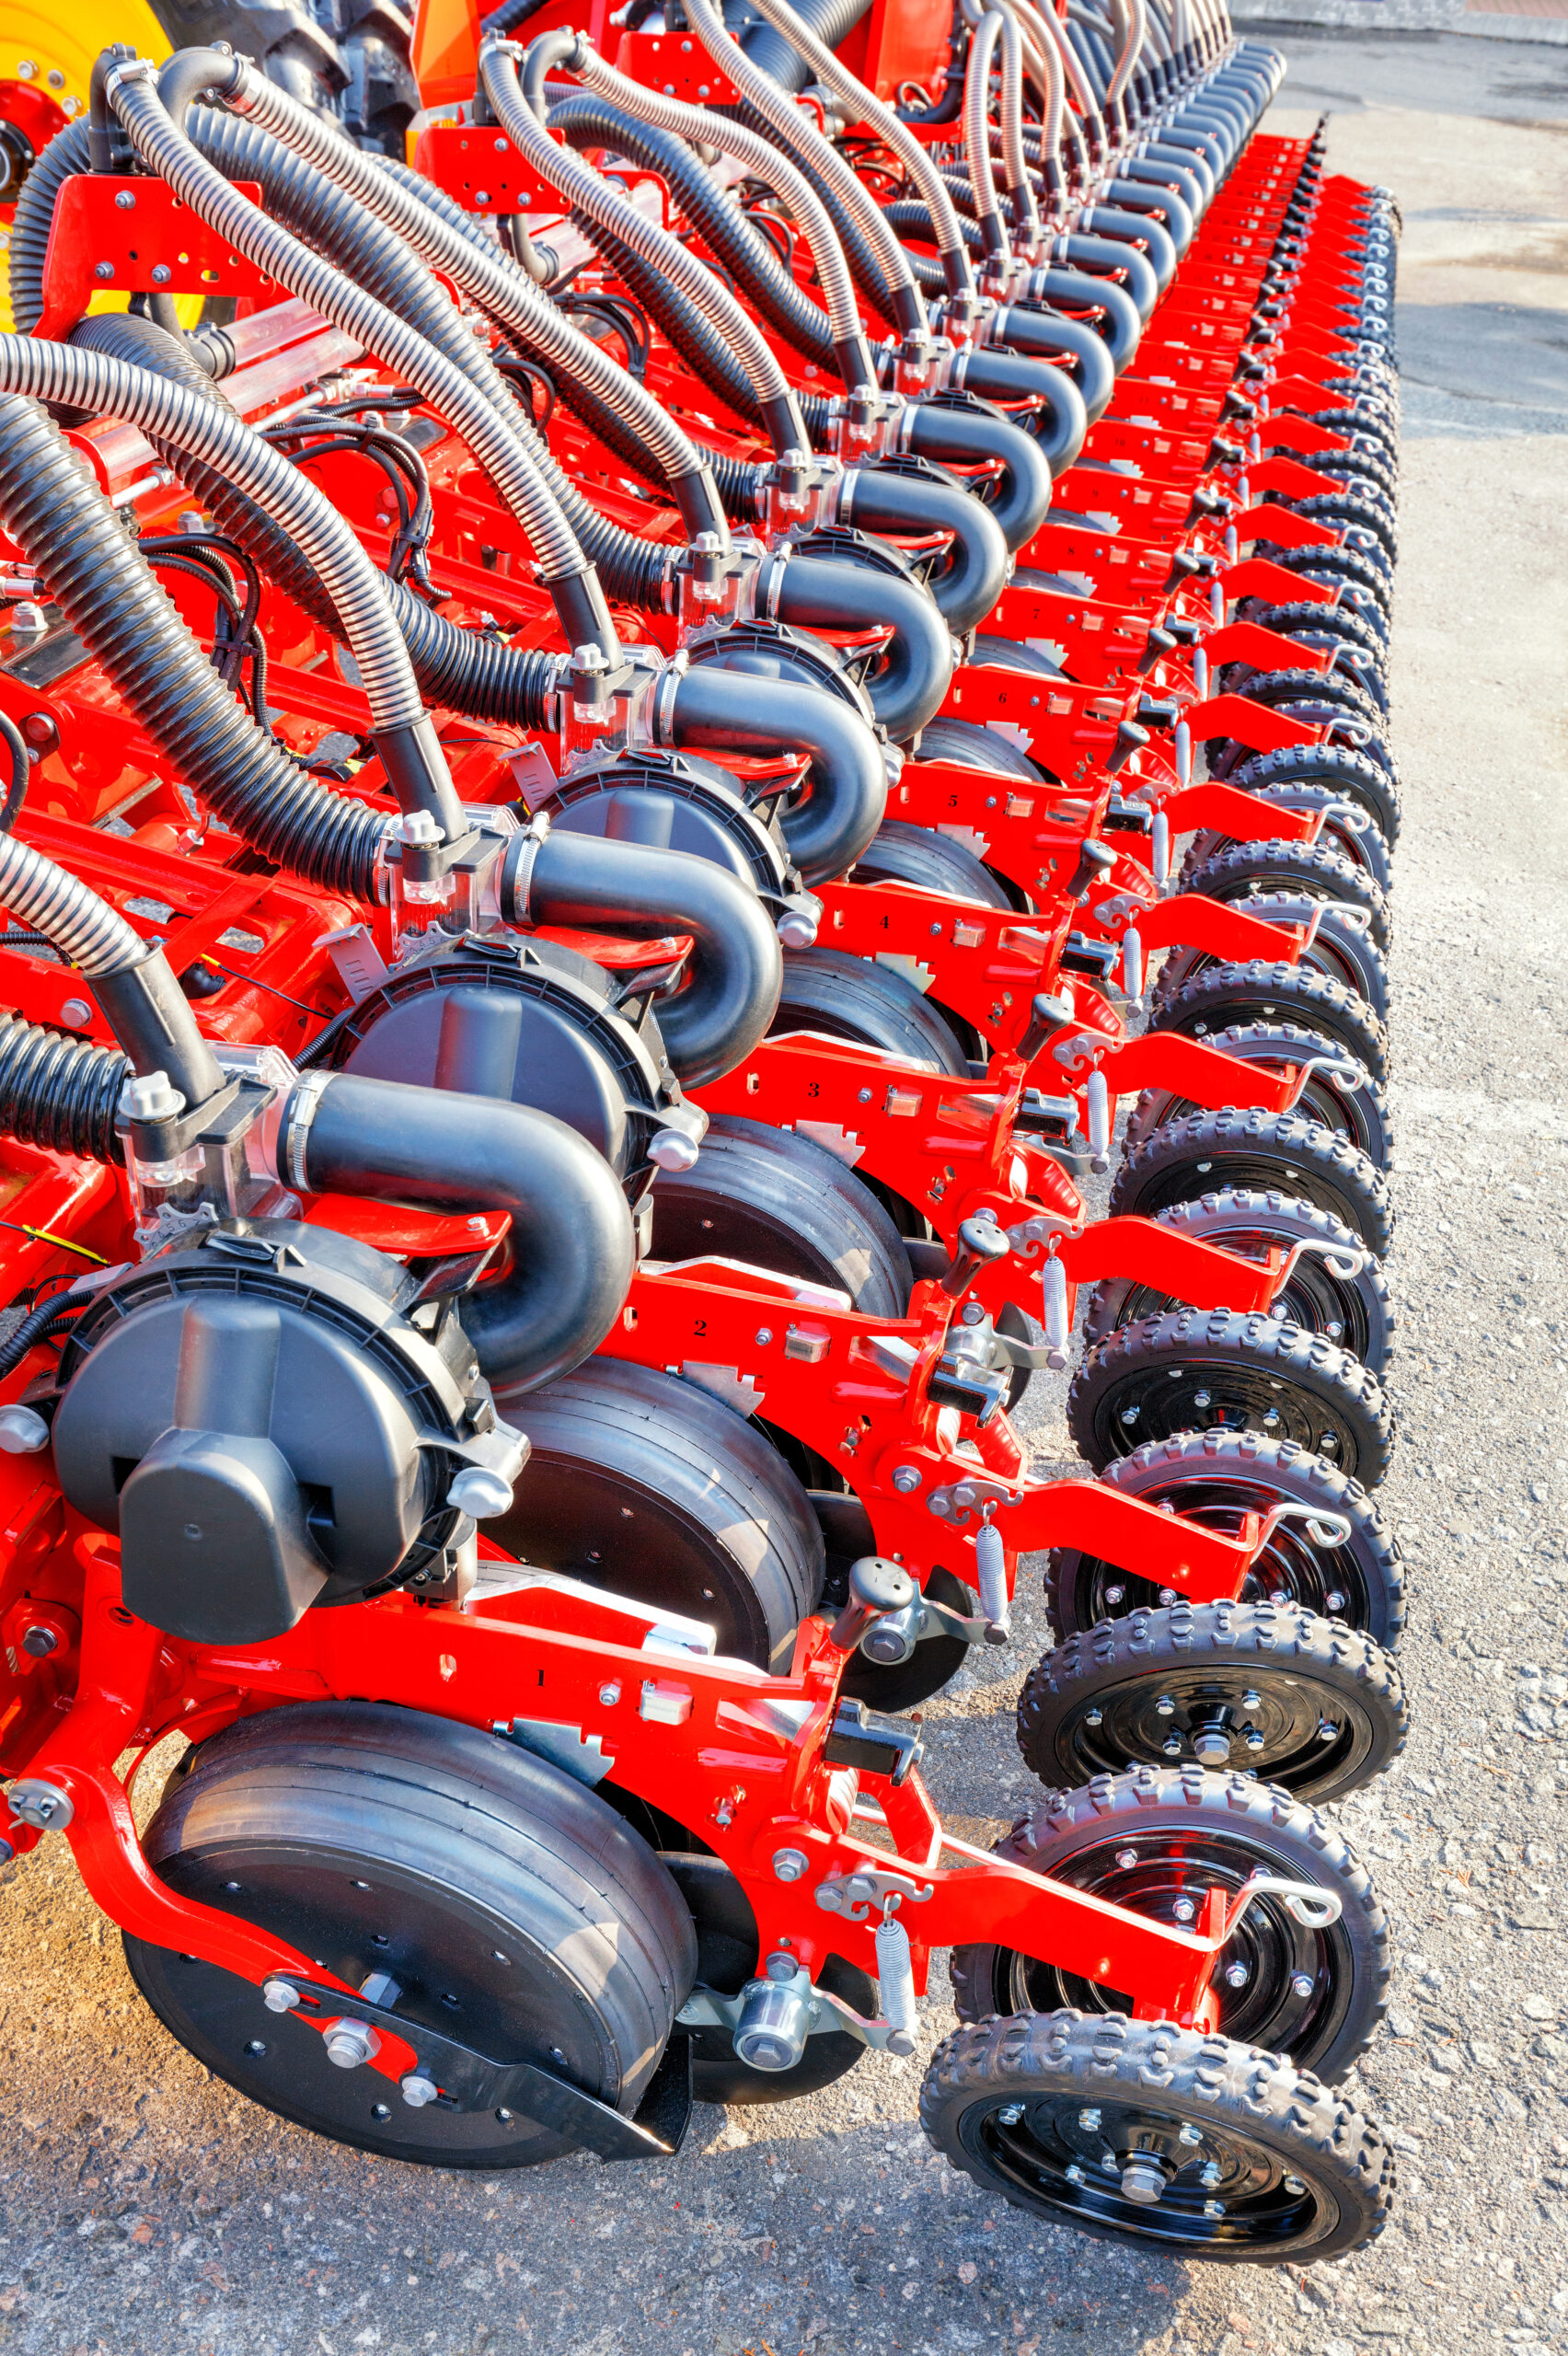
(720, 706)
(571, 1235)
(1063, 419)
(1019, 497)
(735, 971)
(974, 573)
(1070, 344)
(52, 510)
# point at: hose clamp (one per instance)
(770, 583)
(517, 868)
(666, 688)
(133, 69)
(301, 1112)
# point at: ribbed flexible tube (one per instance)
(1020, 188)
(52, 509)
(202, 426)
(830, 20)
(506, 293)
(768, 164)
(60, 1093)
(163, 146)
(589, 192)
(94, 937)
(915, 156)
(977, 129)
(818, 155)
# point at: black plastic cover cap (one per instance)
(213, 1546)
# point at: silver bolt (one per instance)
(77, 1012)
(1334, 1599)
(1165, 1707)
(905, 1478)
(481, 196)
(1088, 2121)
(1126, 1859)
(1254, 1739)
(1115, 1594)
(788, 1865)
(1190, 2134)
(1185, 1909)
(1093, 1717)
(1271, 1416)
(863, 1096)
(27, 70)
(1301, 1983)
(1143, 2180)
(416, 2090)
(1293, 2184)
(55, 79)
(351, 2043)
(1075, 2174)
(279, 1995)
(1200, 1398)
(1129, 1414)
(1237, 1975)
(1214, 2208)
(125, 202)
(1010, 2114)
(161, 273)
(1250, 1701)
(1211, 1746)
(608, 1696)
(256, 2048)
(1327, 1731)
(1209, 2176)
(764, 1335)
(1172, 1746)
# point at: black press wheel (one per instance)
(1336, 1290)
(1341, 1096)
(1338, 770)
(1183, 1159)
(1241, 872)
(1259, 990)
(509, 1907)
(1155, 1841)
(1194, 2146)
(1303, 1702)
(1221, 1369)
(1216, 1477)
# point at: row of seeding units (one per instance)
(626, 745)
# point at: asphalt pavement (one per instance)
(143, 2208)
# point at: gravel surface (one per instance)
(146, 2208)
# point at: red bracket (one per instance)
(134, 237)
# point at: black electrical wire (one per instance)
(21, 766)
(628, 320)
(525, 375)
(37, 1326)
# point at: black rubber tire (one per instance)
(850, 998)
(1188, 1831)
(1215, 1478)
(901, 853)
(1344, 569)
(1358, 1112)
(1183, 1159)
(1357, 839)
(889, 1687)
(727, 1957)
(1341, 948)
(975, 746)
(1010, 655)
(1239, 873)
(1260, 2123)
(776, 1200)
(1344, 776)
(646, 1484)
(1354, 1312)
(1355, 509)
(512, 1905)
(1358, 466)
(1335, 630)
(1208, 1369)
(1349, 731)
(1224, 994)
(1124, 1693)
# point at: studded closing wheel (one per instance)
(504, 1906)
(1220, 1369)
(1156, 1840)
(1303, 1702)
(1193, 2145)
(1340, 1095)
(1348, 1568)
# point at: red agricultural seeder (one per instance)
(600, 762)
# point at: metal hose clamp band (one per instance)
(301, 1114)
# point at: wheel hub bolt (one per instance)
(1254, 1739)
(1209, 2175)
(1301, 1983)
(1009, 2115)
(1126, 1859)
(1334, 1600)
(1237, 1975)
(1190, 2134)
(1075, 2174)
(1115, 1594)
(1214, 2208)
(1094, 1717)
(350, 2044)
(1088, 2121)
(1172, 1746)
(1143, 2180)
(1184, 1910)
(1165, 1707)
(1211, 1748)
(1251, 1701)
(1293, 2184)
(1200, 1398)
(1327, 1731)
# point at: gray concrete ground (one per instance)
(145, 2208)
